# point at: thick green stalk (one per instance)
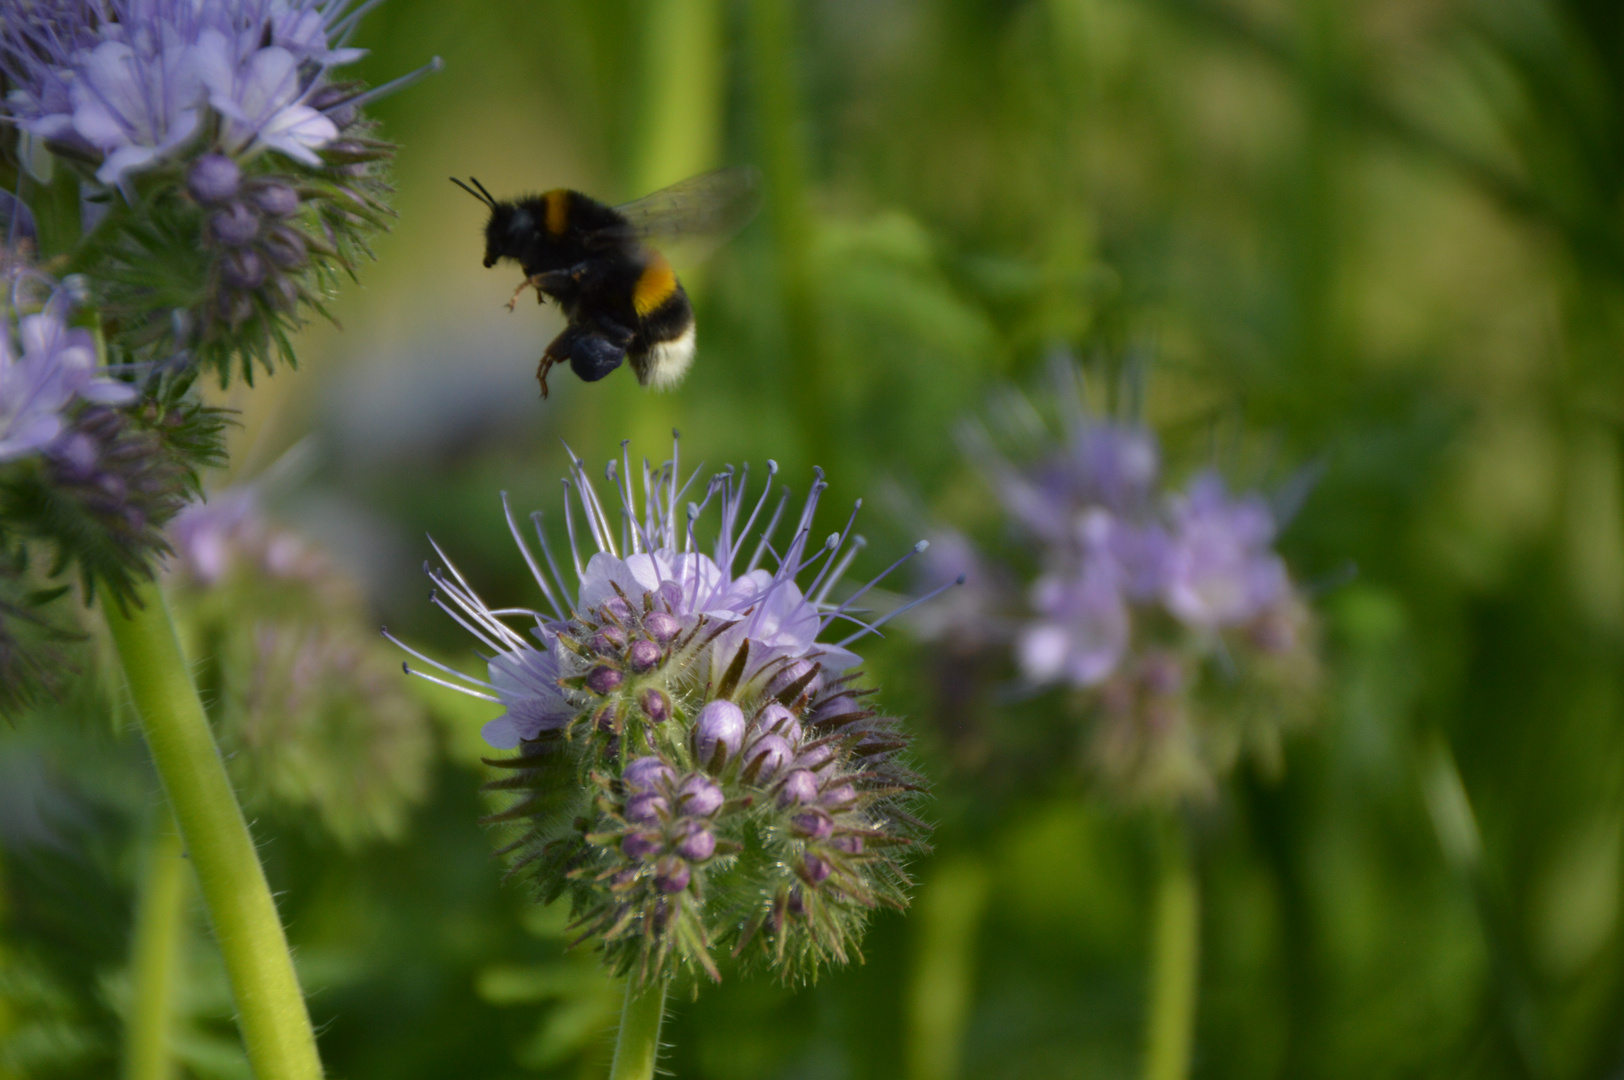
(949, 912)
(155, 959)
(1175, 961)
(637, 1046)
(783, 159)
(683, 76)
(275, 1025)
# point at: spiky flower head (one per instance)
(87, 467)
(699, 768)
(307, 702)
(1165, 612)
(235, 170)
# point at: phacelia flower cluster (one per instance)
(307, 701)
(229, 172)
(1168, 613)
(700, 770)
(87, 467)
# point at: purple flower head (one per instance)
(1221, 568)
(646, 574)
(1100, 464)
(130, 81)
(525, 681)
(1082, 625)
(45, 366)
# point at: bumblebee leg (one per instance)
(527, 283)
(556, 353)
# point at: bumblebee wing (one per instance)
(709, 207)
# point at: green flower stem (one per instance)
(638, 1045)
(155, 958)
(783, 158)
(1175, 961)
(275, 1025)
(950, 910)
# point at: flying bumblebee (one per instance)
(619, 294)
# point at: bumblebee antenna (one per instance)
(482, 195)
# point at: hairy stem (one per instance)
(637, 1046)
(1175, 961)
(155, 958)
(275, 1025)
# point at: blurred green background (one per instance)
(1380, 238)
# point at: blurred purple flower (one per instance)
(206, 535)
(1221, 570)
(1082, 625)
(44, 367)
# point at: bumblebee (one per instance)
(619, 294)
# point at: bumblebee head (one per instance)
(501, 231)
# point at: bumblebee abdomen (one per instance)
(655, 285)
(664, 349)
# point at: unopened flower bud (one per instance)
(775, 719)
(718, 733)
(242, 269)
(645, 808)
(699, 797)
(850, 843)
(275, 200)
(643, 655)
(671, 875)
(646, 773)
(602, 680)
(815, 757)
(792, 673)
(662, 626)
(618, 609)
(813, 870)
(656, 706)
(768, 756)
(235, 225)
(813, 825)
(800, 786)
(838, 796)
(698, 845)
(213, 178)
(609, 641)
(833, 710)
(605, 721)
(640, 845)
(285, 246)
